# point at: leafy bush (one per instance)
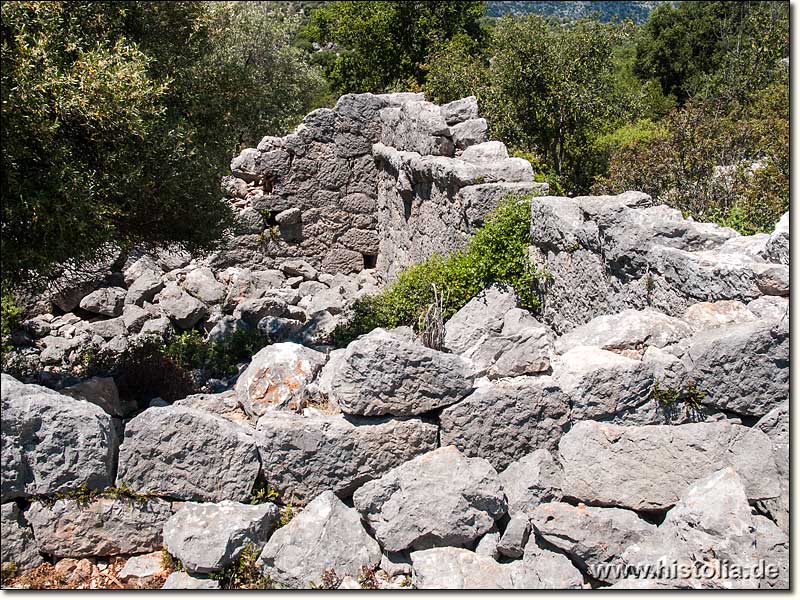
(190, 350)
(120, 117)
(497, 253)
(9, 316)
(731, 167)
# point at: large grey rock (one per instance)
(460, 110)
(504, 421)
(142, 569)
(602, 385)
(775, 424)
(519, 345)
(773, 548)
(438, 499)
(105, 328)
(101, 391)
(384, 373)
(277, 377)
(627, 330)
(710, 524)
(209, 537)
(468, 133)
(325, 535)
(252, 310)
(203, 285)
(102, 527)
(481, 317)
(591, 536)
(707, 315)
(184, 310)
(778, 243)
(180, 580)
(305, 456)
(461, 569)
(19, 546)
(770, 307)
(105, 301)
(52, 443)
(532, 480)
(743, 368)
(645, 468)
(189, 454)
(479, 200)
(144, 288)
(512, 544)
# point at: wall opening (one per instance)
(370, 261)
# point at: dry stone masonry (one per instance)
(640, 417)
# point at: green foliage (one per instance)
(455, 69)
(169, 563)
(668, 397)
(722, 49)
(120, 117)
(85, 495)
(243, 574)
(497, 253)
(264, 492)
(678, 166)
(9, 315)
(190, 350)
(549, 86)
(382, 46)
(8, 571)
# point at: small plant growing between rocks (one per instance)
(84, 495)
(329, 581)
(169, 563)
(367, 579)
(287, 513)
(264, 492)
(668, 397)
(7, 572)
(243, 574)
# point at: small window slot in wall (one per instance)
(370, 261)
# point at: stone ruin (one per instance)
(379, 181)
(641, 414)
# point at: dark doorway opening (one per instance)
(370, 261)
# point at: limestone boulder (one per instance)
(326, 535)
(646, 468)
(504, 421)
(183, 309)
(104, 526)
(19, 546)
(106, 301)
(441, 498)
(711, 524)
(629, 330)
(203, 285)
(534, 479)
(743, 368)
(305, 456)
(385, 374)
(778, 243)
(189, 454)
(602, 385)
(593, 537)
(53, 443)
(277, 377)
(210, 536)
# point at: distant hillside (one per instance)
(637, 11)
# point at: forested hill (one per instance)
(637, 11)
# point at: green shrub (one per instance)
(190, 350)
(497, 253)
(9, 316)
(244, 573)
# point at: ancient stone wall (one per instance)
(377, 181)
(606, 254)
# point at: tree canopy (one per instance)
(119, 118)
